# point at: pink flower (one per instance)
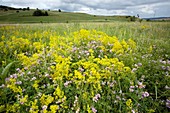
(94, 110)
(145, 94)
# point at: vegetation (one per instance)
(59, 16)
(40, 13)
(85, 67)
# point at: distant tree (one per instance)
(28, 8)
(5, 9)
(138, 15)
(48, 9)
(40, 13)
(59, 10)
(140, 20)
(148, 20)
(127, 16)
(46, 13)
(17, 11)
(24, 9)
(132, 18)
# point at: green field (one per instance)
(12, 16)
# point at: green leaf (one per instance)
(6, 70)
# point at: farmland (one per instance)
(85, 67)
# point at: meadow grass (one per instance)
(85, 67)
(54, 17)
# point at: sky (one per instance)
(145, 8)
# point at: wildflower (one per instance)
(133, 111)
(93, 109)
(34, 107)
(139, 64)
(19, 82)
(166, 87)
(54, 108)
(44, 107)
(24, 99)
(131, 89)
(129, 103)
(29, 72)
(67, 83)
(47, 75)
(163, 68)
(34, 78)
(163, 62)
(145, 94)
(2, 86)
(168, 103)
(168, 62)
(96, 98)
(140, 85)
(134, 69)
(18, 69)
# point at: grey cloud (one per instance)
(146, 8)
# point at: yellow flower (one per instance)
(23, 100)
(129, 103)
(2, 108)
(54, 108)
(35, 85)
(131, 43)
(58, 93)
(13, 87)
(78, 75)
(46, 99)
(117, 46)
(34, 107)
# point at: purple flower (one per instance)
(163, 68)
(167, 103)
(134, 69)
(131, 89)
(145, 94)
(67, 83)
(168, 62)
(17, 69)
(96, 98)
(94, 110)
(44, 107)
(139, 64)
(19, 82)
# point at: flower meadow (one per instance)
(84, 69)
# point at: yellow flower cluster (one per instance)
(85, 57)
(13, 86)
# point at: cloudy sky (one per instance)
(145, 8)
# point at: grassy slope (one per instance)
(54, 17)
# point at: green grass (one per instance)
(54, 17)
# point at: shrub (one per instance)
(40, 13)
(132, 18)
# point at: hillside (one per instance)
(13, 15)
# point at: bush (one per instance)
(132, 18)
(40, 13)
